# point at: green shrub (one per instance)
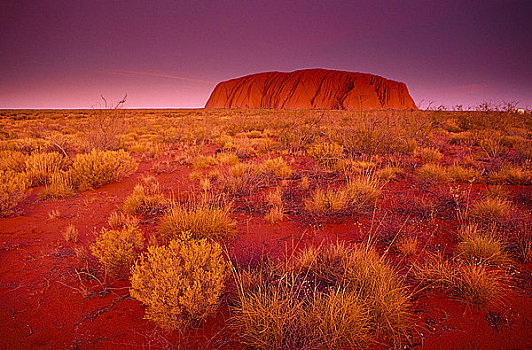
(181, 283)
(12, 188)
(117, 249)
(98, 168)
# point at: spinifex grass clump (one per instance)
(12, 188)
(358, 194)
(41, 166)
(146, 199)
(477, 285)
(198, 220)
(479, 247)
(60, 186)
(98, 168)
(336, 297)
(326, 154)
(181, 283)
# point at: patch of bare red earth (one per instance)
(44, 305)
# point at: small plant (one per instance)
(12, 188)
(202, 162)
(276, 207)
(146, 199)
(201, 221)
(227, 158)
(13, 160)
(276, 167)
(407, 246)
(70, 234)
(60, 186)
(491, 209)
(326, 154)
(329, 201)
(479, 286)
(98, 168)
(363, 192)
(428, 154)
(461, 174)
(433, 173)
(513, 175)
(117, 249)
(54, 214)
(41, 166)
(181, 283)
(478, 247)
(119, 220)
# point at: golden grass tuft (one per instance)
(146, 199)
(478, 247)
(199, 221)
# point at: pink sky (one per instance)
(65, 54)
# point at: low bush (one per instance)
(461, 174)
(119, 220)
(199, 221)
(13, 160)
(117, 249)
(181, 283)
(491, 209)
(12, 188)
(97, 168)
(513, 175)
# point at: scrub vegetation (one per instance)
(282, 229)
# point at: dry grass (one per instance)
(198, 221)
(146, 199)
(479, 247)
(70, 234)
(12, 190)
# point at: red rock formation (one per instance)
(311, 89)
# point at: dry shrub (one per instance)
(354, 167)
(13, 160)
(327, 201)
(326, 154)
(98, 168)
(227, 158)
(60, 186)
(335, 297)
(199, 221)
(146, 199)
(363, 191)
(70, 234)
(240, 179)
(181, 283)
(117, 249)
(12, 188)
(479, 247)
(388, 173)
(41, 166)
(407, 246)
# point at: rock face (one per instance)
(311, 89)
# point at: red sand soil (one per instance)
(45, 304)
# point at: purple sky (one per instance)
(64, 54)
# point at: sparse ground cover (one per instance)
(265, 229)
